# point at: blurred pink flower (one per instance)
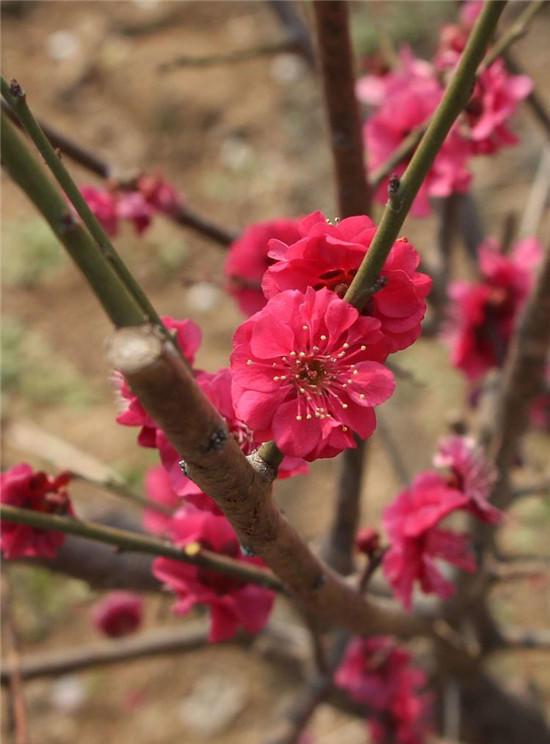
(416, 541)
(232, 602)
(380, 674)
(248, 259)
(472, 474)
(25, 488)
(118, 614)
(484, 313)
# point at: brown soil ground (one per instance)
(244, 142)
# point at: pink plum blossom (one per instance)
(307, 373)
(118, 614)
(416, 540)
(132, 207)
(217, 388)
(187, 335)
(406, 99)
(232, 602)
(159, 491)
(159, 194)
(484, 313)
(367, 541)
(495, 99)
(248, 259)
(25, 488)
(378, 673)
(329, 256)
(150, 195)
(472, 474)
(103, 204)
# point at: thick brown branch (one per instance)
(523, 380)
(336, 63)
(242, 487)
(315, 691)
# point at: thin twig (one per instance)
(106, 284)
(32, 439)
(533, 100)
(537, 199)
(337, 71)
(305, 703)
(16, 97)
(295, 27)
(395, 455)
(336, 64)
(403, 194)
(228, 58)
(129, 541)
(183, 215)
(515, 31)
(14, 677)
(535, 489)
(525, 639)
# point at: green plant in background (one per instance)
(23, 354)
(33, 256)
(43, 598)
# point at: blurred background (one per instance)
(244, 142)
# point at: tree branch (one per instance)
(515, 31)
(533, 100)
(232, 57)
(524, 639)
(522, 380)
(316, 689)
(130, 541)
(336, 64)
(403, 194)
(18, 706)
(16, 97)
(183, 215)
(106, 284)
(342, 109)
(242, 487)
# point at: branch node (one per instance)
(217, 440)
(16, 90)
(261, 466)
(319, 582)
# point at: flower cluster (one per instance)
(307, 368)
(25, 488)
(232, 602)
(484, 313)
(150, 195)
(404, 99)
(412, 521)
(329, 256)
(118, 614)
(379, 674)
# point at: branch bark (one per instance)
(242, 487)
(353, 197)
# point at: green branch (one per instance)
(403, 194)
(15, 96)
(134, 542)
(113, 295)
